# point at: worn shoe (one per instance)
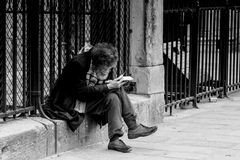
(141, 131)
(119, 145)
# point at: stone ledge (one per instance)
(34, 138)
(148, 79)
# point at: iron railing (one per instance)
(176, 37)
(201, 46)
(233, 70)
(38, 38)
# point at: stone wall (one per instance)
(146, 57)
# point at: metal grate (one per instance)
(209, 52)
(40, 37)
(68, 25)
(14, 56)
(234, 49)
(177, 53)
(201, 46)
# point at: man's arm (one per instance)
(76, 76)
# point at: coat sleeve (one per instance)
(76, 77)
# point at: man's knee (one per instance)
(112, 97)
(113, 101)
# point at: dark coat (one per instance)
(70, 86)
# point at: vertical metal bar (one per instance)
(193, 53)
(176, 61)
(60, 47)
(188, 58)
(3, 56)
(126, 35)
(200, 20)
(220, 50)
(181, 53)
(230, 70)
(83, 19)
(172, 65)
(55, 26)
(41, 50)
(33, 52)
(52, 45)
(237, 48)
(210, 51)
(28, 59)
(119, 35)
(81, 23)
(116, 36)
(67, 29)
(24, 51)
(217, 50)
(166, 20)
(121, 29)
(224, 39)
(213, 49)
(206, 49)
(199, 48)
(76, 15)
(116, 28)
(234, 49)
(185, 63)
(203, 44)
(14, 51)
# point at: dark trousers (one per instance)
(112, 108)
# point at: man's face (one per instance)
(103, 71)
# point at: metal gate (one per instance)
(38, 37)
(201, 47)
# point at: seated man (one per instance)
(85, 80)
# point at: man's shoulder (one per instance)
(79, 62)
(83, 57)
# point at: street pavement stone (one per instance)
(209, 133)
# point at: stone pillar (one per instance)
(146, 56)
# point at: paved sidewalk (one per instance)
(209, 133)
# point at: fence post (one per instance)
(224, 42)
(66, 28)
(194, 52)
(33, 53)
(3, 56)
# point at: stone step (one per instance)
(34, 138)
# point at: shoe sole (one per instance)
(142, 135)
(120, 150)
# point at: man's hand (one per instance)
(116, 83)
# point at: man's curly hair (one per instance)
(104, 54)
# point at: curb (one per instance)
(34, 138)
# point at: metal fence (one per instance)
(201, 47)
(38, 38)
